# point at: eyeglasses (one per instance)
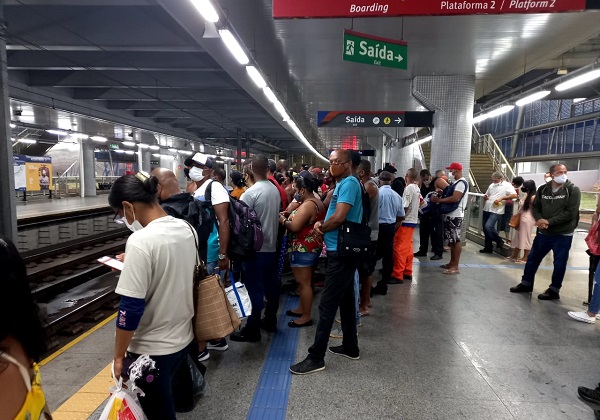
(118, 219)
(338, 163)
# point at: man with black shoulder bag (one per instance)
(345, 211)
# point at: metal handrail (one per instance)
(474, 181)
(487, 144)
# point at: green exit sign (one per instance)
(113, 146)
(369, 49)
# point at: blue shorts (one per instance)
(303, 259)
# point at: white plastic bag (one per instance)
(121, 404)
(239, 299)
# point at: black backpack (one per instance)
(246, 237)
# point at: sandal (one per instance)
(519, 261)
(451, 272)
(446, 266)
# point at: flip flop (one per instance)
(520, 261)
(365, 313)
(446, 266)
(451, 272)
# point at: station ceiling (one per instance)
(155, 64)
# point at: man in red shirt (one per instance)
(270, 177)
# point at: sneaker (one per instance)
(407, 277)
(549, 294)
(341, 351)
(245, 335)
(204, 355)
(218, 345)
(597, 316)
(583, 317)
(521, 288)
(420, 254)
(436, 257)
(379, 290)
(268, 324)
(307, 366)
(394, 280)
(590, 395)
(486, 251)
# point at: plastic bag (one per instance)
(239, 298)
(121, 404)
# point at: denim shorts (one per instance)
(303, 259)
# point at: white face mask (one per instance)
(549, 179)
(561, 179)
(196, 174)
(135, 226)
(450, 178)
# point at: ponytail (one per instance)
(141, 188)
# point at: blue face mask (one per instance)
(297, 197)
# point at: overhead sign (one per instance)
(374, 119)
(366, 8)
(32, 173)
(369, 49)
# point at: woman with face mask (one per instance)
(21, 342)
(303, 245)
(522, 236)
(156, 288)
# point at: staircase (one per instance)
(482, 168)
(426, 148)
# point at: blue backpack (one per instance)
(445, 208)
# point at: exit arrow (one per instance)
(398, 120)
(399, 58)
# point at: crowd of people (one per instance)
(301, 214)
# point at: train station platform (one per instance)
(439, 347)
(59, 206)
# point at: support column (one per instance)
(451, 97)
(401, 158)
(239, 151)
(144, 156)
(8, 209)
(87, 169)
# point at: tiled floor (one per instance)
(439, 347)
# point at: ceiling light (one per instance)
(13, 126)
(129, 143)
(129, 152)
(57, 132)
(207, 10)
(577, 100)
(533, 97)
(119, 151)
(99, 138)
(479, 118)
(156, 154)
(256, 77)
(79, 136)
(185, 152)
(234, 47)
(269, 94)
(499, 111)
(424, 140)
(173, 150)
(579, 80)
(27, 141)
(143, 145)
(154, 147)
(280, 108)
(167, 157)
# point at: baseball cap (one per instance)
(316, 171)
(455, 165)
(390, 169)
(305, 166)
(199, 159)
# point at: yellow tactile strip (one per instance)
(85, 401)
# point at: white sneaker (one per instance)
(597, 316)
(583, 317)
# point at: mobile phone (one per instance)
(111, 262)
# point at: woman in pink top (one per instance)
(522, 237)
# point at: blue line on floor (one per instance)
(512, 266)
(271, 396)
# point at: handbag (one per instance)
(591, 239)
(354, 239)
(515, 220)
(238, 297)
(214, 317)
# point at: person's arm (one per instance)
(454, 198)
(372, 190)
(440, 184)
(222, 213)
(400, 213)
(536, 207)
(508, 196)
(302, 217)
(293, 206)
(570, 212)
(328, 197)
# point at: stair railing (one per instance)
(474, 182)
(487, 145)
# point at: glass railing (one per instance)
(475, 210)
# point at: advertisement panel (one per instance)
(32, 173)
(283, 9)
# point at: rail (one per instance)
(474, 181)
(485, 144)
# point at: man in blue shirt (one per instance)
(346, 205)
(391, 215)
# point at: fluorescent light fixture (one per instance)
(79, 136)
(424, 140)
(129, 152)
(13, 126)
(167, 157)
(119, 151)
(479, 118)
(185, 152)
(154, 147)
(533, 97)
(57, 132)
(99, 138)
(156, 154)
(129, 143)
(234, 47)
(579, 80)
(143, 145)
(27, 141)
(207, 10)
(256, 77)
(173, 150)
(269, 94)
(577, 100)
(280, 108)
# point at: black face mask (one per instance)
(186, 172)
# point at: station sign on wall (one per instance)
(367, 119)
(32, 173)
(374, 50)
(283, 9)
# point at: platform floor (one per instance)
(439, 347)
(46, 207)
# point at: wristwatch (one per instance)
(222, 257)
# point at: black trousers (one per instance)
(431, 226)
(385, 251)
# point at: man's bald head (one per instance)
(168, 184)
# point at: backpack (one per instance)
(246, 236)
(446, 208)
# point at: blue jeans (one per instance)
(489, 228)
(560, 245)
(595, 302)
(338, 292)
(260, 277)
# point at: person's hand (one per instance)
(120, 257)
(434, 199)
(285, 214)
(224, 264)
(317, 228)
(542, 224)
(497, 202)
(485, 197)
(282, 219)
(118, 367)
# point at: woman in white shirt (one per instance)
(156, 309)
